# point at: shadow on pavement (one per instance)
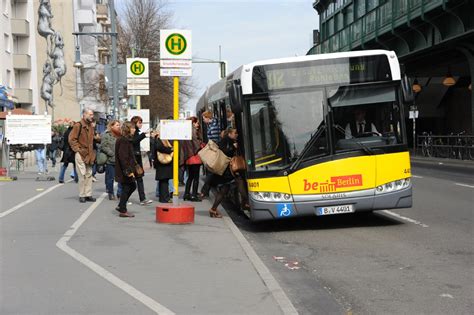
(341, 221)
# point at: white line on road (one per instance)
(405, 218)
(416, 176)
(271, 283)
(24, 203)
(464, 185)
(62, 244)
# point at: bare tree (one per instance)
(139, 29)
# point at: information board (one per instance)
(145, 115)
(176, 129)
(28, 129)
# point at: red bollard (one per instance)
(175, 214)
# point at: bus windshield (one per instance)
(287, 126)
(365, 116)
(281, 125)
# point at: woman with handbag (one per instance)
(190, 159)
(229, 146)
(163, 151)
(137, 138)
(126, 168)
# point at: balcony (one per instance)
(20, 27)
(24, 96)
(21, 62)
(102, 12)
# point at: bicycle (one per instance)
(427, 145)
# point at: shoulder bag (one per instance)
(165, 158)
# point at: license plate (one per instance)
(335, 210)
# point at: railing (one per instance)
(373, 23)
(460, 146)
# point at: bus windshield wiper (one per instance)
(307, 147)
(353, 139)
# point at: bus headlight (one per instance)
(270, 196)
(393, 186)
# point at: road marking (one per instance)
(416, 176)
(464, 185)
(62, 244)
(24, 203)
(405, 218)
(271, 283)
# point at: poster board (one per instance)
(145, 115)
(176, 129)
(28, 129)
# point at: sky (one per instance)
(246, 30)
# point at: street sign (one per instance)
(137, 68)
(137, 76)
(175, 129)
(180, 72)
(173, 63)
(28, 129)
(175, 44)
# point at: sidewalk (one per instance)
(448, 164)
(203, 268)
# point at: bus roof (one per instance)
(244, 73)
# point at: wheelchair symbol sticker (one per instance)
(284, 209)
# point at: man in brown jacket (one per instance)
(81, 140)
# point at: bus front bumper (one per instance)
(308, 205)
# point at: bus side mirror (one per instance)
(407, 91)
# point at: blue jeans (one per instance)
(52, 156)
(109, 178)
(41, 160)
(63, 171)
(119, 189)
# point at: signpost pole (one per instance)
(175, 142)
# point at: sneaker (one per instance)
(94, 179)
(61, 182)
(129, 203)
(145, 202)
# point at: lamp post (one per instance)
(78, 63)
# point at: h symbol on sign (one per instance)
(137, 67)
(176, 42)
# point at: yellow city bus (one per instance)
(322, 134)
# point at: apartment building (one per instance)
(18, 52)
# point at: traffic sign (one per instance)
(137, 76)
(175, 44)
(173, 72)
(137, 67)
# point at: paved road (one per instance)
(380, 263)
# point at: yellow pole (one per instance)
(139, 104)
(175, 143)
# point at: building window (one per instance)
(330, 26)
(385, 14)
(339, 21)
(360, 8)
(370, 22)
(372, 4)
(6, 39)
(9, 79)
(349, 14)
(5, 7)
(355, 30)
